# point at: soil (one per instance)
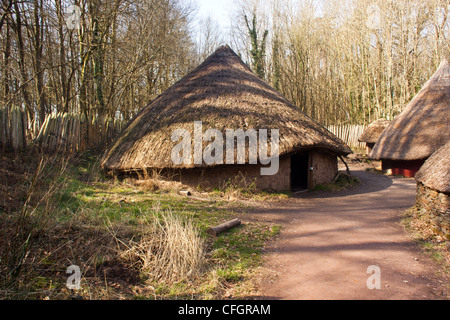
(329, 240)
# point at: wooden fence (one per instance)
(73, 133)
(349, 134)
(64, 132)
(13, 129)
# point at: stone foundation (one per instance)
(434, 207)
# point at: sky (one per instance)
(219, 10)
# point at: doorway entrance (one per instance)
(299, 171)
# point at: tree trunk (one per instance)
(62, 60)
(6, 57)
(17, 27)
(38, 57)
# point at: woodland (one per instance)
(339, 61)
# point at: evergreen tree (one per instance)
(258, 50)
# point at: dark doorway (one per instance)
(299, 171)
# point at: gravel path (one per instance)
(329, 241)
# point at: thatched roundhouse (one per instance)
(373, 132)
(224, 94)
(433, 190)
(420, 130)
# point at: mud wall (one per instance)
(246, 176)
(325, 168)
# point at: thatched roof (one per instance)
(435, 173)
(224, 94)
(374, 131)
(424, 125)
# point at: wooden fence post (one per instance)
(349, 134)
(75, 133)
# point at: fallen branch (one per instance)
(224, 227)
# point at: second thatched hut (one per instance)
(373, 132)
(420, 130)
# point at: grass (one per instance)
(116, 231)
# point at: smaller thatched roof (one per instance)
(435, 173)
(423, 127)
(374, 131)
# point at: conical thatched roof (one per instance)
(424, 125)
(224, 94)
(374, 131)
(435, 173)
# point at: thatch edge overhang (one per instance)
(150, 121)
(435, 173)
(204, 166)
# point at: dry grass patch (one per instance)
(169, 249)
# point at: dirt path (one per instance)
(328, 243)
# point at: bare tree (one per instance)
(209, 37)
(124, 53)
(345, 61)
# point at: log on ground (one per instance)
(224, 227)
